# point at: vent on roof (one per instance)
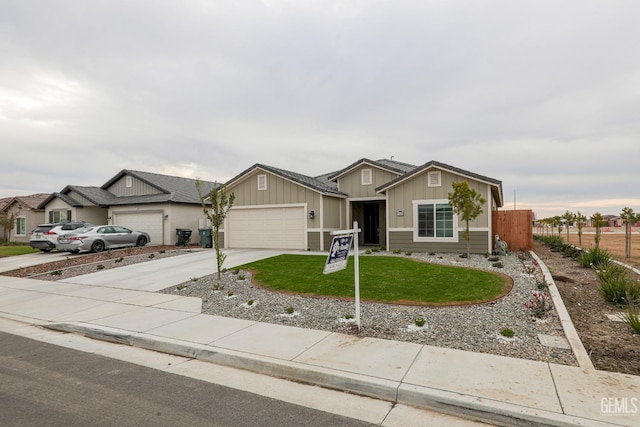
(128, 181)
(262, 182)
(434, 179)
(366, 176)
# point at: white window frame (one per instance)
(366, 176)
(128, 181)
(434, 179)
(262, 182)
(24, 222)
(417, 238)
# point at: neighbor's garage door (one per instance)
(149, 222)
(271, 228)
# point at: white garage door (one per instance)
(266, 228)
(150, 222)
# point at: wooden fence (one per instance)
(515, 228)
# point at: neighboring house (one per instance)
(397, 205)
(154, 203)
(26, 216)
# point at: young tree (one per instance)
(569, 218)
(216, 212)
(628, 218)
(597, 221)
(581, 221)
(7, 222)
(467, 204)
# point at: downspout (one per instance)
(321, 223)
(490, 216)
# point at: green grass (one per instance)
(382, 279)
(14, 250)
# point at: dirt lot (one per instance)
(611, 345)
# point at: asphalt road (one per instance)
(46, 385)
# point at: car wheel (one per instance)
(98, 246)
(141, 241)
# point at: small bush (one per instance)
(152, 256)
(375, 250)
(181, 287)
(348, 316)
(383, 248)
(539, 304)
(250, 302)
(367, 252)
(432, 253)
(194, 279)
(119, 259)
(408, 253)
(506, 332)
(497, 265)
(161, 251)
(632, 319)
(290, 310)
(236, 270)
(463, 255)
(397, 251)
(542, 286)
(56, 273)
(595, 258)
(419, 321)
(229, 294)
(217, 287)
(241, 277)
(100, 267)
(493, 259)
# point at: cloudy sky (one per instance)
(543, 95)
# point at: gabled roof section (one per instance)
(174, 188)
(496, 184)
(32, 201)
(384, 164)
(95, 195)
(318, 184)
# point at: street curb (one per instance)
(584, 361)
(467, 406)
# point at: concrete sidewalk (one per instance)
(496, 389)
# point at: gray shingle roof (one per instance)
(391, 165)
(497, 184)
(174, 188)
(319, 184)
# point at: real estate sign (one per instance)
(338, 254)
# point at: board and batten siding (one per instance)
(279, 192)
(80, 198)
(403, 240)
(138, 188)
(401, 197)
(351, 183)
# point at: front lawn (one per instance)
(13, 250)
(382, 279)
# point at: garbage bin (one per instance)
(184, 235)
(205, 237)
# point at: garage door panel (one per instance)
(149, 222)
(278, 228)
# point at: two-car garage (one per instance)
(272, 227)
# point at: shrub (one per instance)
(119, 259)
(539, 304)
(368, 252)
(241, 277)
(348, 316)
(493, 259)
(397, 251)
(419, 321)
(542, 286)
(506, 332)
(463, 255)
(290, 310)
(497, 265)
(56, 273)
(250, 302)
(595, 258)
(152, 256)
(161, 251)
(100, 267)
(407, 253)
(181, 287)
(617, 287)
(632, 319)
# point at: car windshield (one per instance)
(82, 230)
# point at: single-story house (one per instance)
(25, 214)
(154, 203)
(396, 205)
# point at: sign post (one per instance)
(338, 256)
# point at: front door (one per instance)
(371, 228)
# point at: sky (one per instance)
(542, 95)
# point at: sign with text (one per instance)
(338, 254)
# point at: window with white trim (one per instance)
(366, 176)
(434, 179)
(262, 182)
(21, 226)
(434, 220)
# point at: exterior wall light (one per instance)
(312, 214)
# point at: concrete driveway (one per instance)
(163, 273)
(15, 262)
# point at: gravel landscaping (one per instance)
(468, 327)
